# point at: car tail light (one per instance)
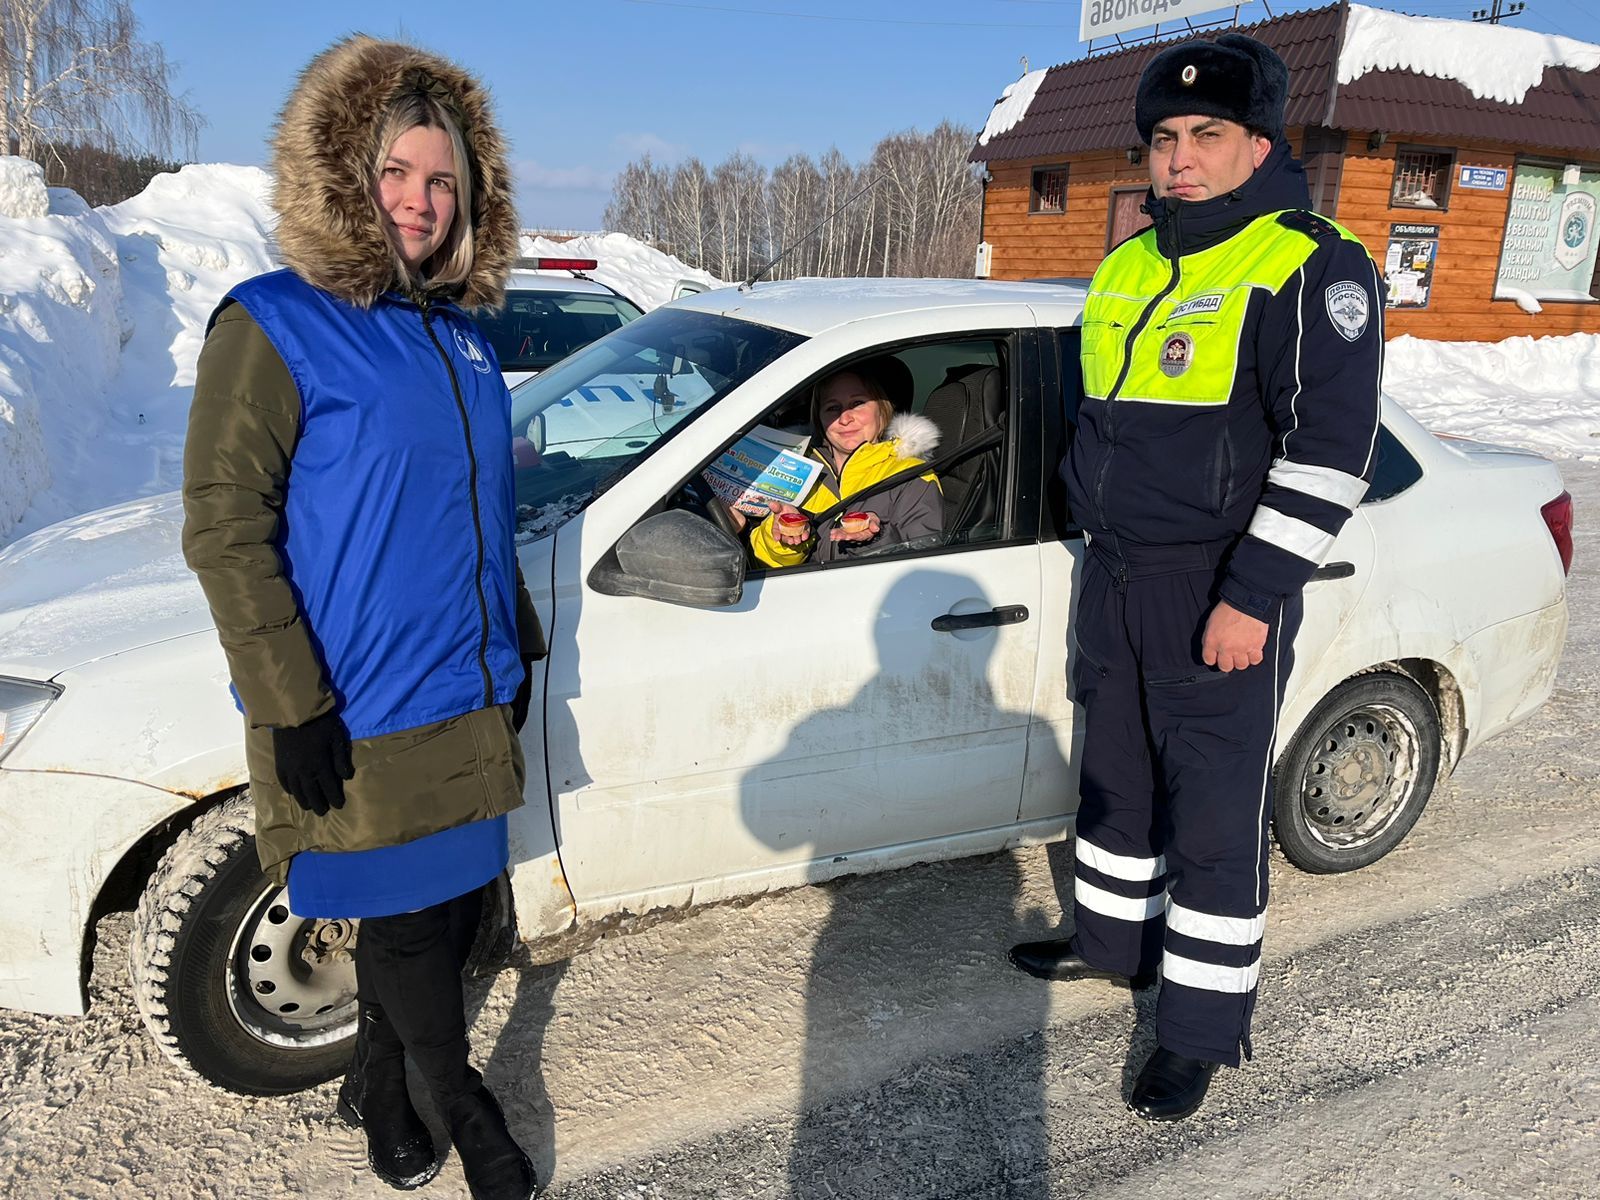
(560, 264)
(1558, 516)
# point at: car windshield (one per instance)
(535, 329)
(584, 423)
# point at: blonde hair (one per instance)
(451, 264)
(880, 400)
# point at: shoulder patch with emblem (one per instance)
(1309, 223)
(1348, 309)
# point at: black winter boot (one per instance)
(1171, 1086)
(495, 1166)
(374, 1098)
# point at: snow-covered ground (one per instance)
(102, 312)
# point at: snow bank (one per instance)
(642, 273)
(1012, 105)
(1493, 62)
(103, 311)
(1542, 393)
(22, 190)
(101, 317)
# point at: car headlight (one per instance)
(21, 704)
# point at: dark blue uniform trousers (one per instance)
(1176, 792)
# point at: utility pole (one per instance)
(1502, 10)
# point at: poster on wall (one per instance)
(1408, 266)
(1550, 242)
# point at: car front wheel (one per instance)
(232, 984)
(1357, 775)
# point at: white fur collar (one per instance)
(915, 436)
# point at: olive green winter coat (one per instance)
(243, 428)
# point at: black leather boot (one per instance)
(1171, 1086)
(1057, 960)
(374, 1098)
(495, 1166)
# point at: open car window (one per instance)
(961, 390)
(585, 422)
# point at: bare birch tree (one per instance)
(74, 72)
(920, 217)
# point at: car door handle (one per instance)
(1333, 570)
(1011, 614)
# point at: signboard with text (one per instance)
(1102, 18)
(1550, 242)
(1485, 179)
(1408, 266)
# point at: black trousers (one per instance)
(1176, 793)
(410, 966)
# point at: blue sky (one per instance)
(583, 86)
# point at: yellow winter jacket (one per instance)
(906, 512)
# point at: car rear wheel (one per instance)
(1357, 775)
(232, 984)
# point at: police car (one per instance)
(702, 728)
(552, 308)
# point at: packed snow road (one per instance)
(1429, 1026)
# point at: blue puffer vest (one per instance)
(399, 517)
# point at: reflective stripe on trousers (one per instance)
(1171, 858)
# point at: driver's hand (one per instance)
(801, 534)
(739, 519)
(874, 527)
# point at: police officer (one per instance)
(1231, 356)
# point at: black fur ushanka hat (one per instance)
(1234, 77)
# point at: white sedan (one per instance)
(706, 729)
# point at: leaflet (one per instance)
(766, 464)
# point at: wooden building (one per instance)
(1481, 211)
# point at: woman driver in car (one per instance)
(862, 443)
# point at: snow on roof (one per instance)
(1012, 105)
(1492, 62)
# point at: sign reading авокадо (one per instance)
(1102, 18)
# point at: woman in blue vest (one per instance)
(350, 515)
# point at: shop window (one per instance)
(1049, 191)
(1421, 178)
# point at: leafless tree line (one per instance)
(917, 214)
(75, 73)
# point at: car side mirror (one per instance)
(677, 557)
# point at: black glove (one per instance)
(520, 702)
(313, 761)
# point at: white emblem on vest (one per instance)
(1200, 304)
(469, 351)
(1177, 354)
(1348, 309)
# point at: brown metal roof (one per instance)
(1562, 113)
(1087, 105)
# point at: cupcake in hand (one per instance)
(856, 527)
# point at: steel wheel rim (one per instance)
(274, 992)
(1362, 776)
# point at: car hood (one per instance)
(97, 585)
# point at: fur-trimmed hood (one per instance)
(330, 231)
(914, 436)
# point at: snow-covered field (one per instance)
(102, 313)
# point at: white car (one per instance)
(703, 729)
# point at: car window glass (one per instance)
(1395, 471)
(586, 421)
(538, 328)
(958, 390)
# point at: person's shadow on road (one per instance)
(908, 976)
